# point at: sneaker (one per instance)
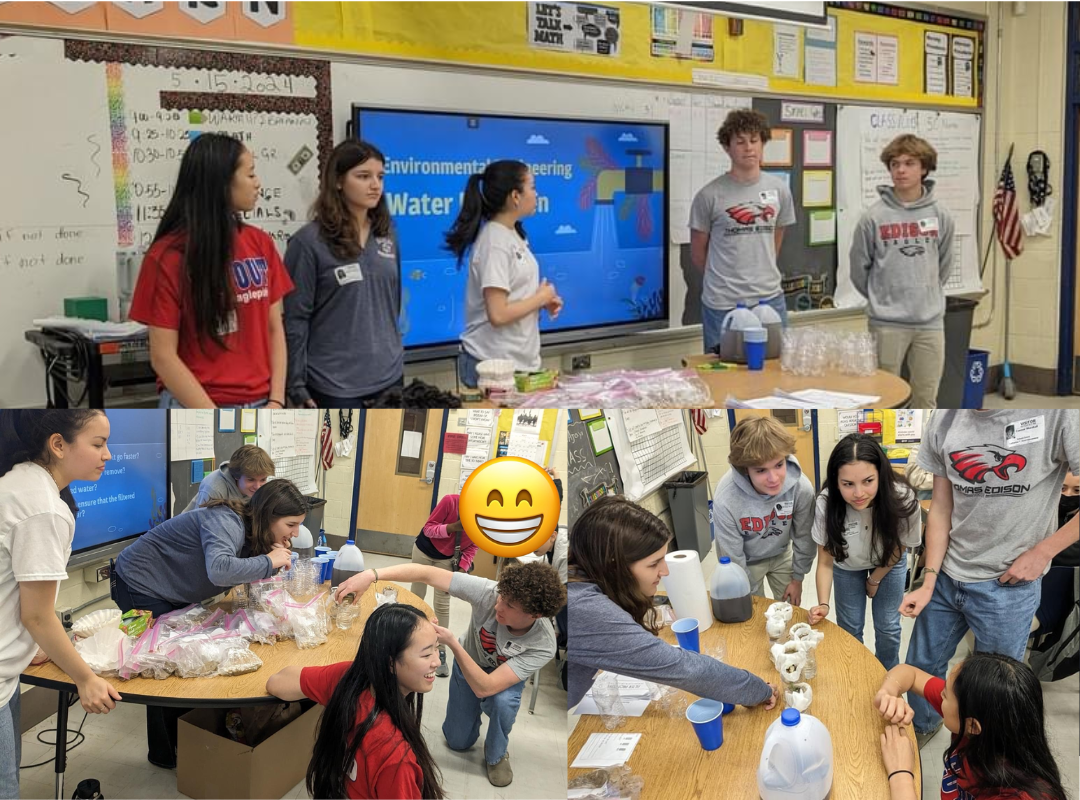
(443, 671)
(923, 738)
(499, 773)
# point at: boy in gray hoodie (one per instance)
(763, 508)
(236, 479)
(901, 255)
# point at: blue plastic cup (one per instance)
(321, 551)
(708, 721)
(686, 632)
(755, 343)
(328, 570)
(320, 563)
(728, 708)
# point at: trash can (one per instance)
(978, 363)
(688, 499)
(313, 520)
(959, 313)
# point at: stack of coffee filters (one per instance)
(495, 375)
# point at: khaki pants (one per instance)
(442, 599)
(924, 351)
(778, 570)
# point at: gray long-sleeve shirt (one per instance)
(218, 485)
(191, 557)
(901, 256)
(341, 320)
(749, 526)
(603, 636)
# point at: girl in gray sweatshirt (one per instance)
(616, 560)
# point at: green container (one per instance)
(87, 308)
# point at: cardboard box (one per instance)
(211, 765)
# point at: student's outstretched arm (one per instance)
(823, 579)
(286, 684)
(889, 699)
(938, 524)
(483, 684)
(402, 573)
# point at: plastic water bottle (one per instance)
(322, 536)
(731, 333)
(797, 760)
(349, 562)
(729, 591)
(770, 320)
(303, 544)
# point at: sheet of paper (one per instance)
(480, 416)
(821, 398)
(534, 450)
(778, 149)
(600, 435)
(847, 421)
(282, 434)
(526, 421)
(822, 227)
(606, 750)
(785, 51)
(668, 417)
(247, 420)
(817, 188)
(635, 707)
(681, 162)
(679, 229)
(817, 149)
(680, 117)
(410, 444)
(227, 419)
(866, 57)
(888, 60)
(479, 440)
(640, 423)
(202, 431)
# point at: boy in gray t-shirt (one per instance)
(508, 640)
(991, 532)
(736, 227)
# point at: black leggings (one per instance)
(161, 721)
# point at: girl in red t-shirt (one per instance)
(369, 743)
(997, 704)
(211, 287)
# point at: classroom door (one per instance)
(798, 424)
(394, 498)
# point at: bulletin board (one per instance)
(591, 475)
(546, 423)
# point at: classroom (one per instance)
(603, 134)
(717, 532)
(371, 487)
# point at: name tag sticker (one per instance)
(928, 225)
(770, 196)
(348, 273)
(785, 508)
(1025, 431)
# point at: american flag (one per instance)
(1006, 215)
(326, 442)
(697, 416)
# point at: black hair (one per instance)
(339, 739)
(201, 209)
(24, 436)
(1011, 752)
(895, 501)
(486, 195)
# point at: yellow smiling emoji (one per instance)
(509, 506)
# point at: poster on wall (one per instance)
(574, 28)
(682, 34)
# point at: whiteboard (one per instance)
(862, 133)
(652, 446)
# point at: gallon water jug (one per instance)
(349, 562)
(303, 544)
(771, 321)
(797, 760)
(729, 591)
(731, 333)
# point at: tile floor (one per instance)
(115, 748)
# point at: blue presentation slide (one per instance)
(131, 496)
(598, 232)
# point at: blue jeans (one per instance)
(10, 746)
(466, 369)
(850, 592)
(712, 320)
(166, 400)
(462, 724)
(999, 614)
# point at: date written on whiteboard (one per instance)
(204, 80)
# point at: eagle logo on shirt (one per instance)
(973, 463)
(912, 250)
(749, 213)
(488, 642)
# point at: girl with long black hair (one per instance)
(505, 293)
(341, 322)
(41, 454)
(993, 705)
(865, 518)
(369, 743)
(211, 287)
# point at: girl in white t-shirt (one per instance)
(505, 293)
(41, 453)
(866, 516)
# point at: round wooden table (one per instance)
(671, 760)
(745, 384)
(219, 692)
